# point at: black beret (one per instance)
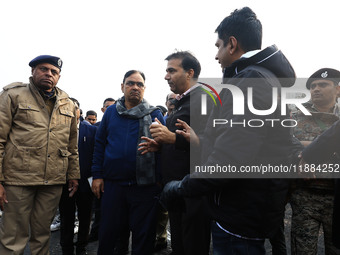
(57, 62)
(324, 74)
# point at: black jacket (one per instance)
(176, 157)
(248, 207)
(321, 149)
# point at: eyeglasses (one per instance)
(132, 83)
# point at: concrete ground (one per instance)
(55, 248)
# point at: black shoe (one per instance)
(160, 246)
(81, 251)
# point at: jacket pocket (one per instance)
(64, 154)
(29, 113)
(64, 117)
(23, 159)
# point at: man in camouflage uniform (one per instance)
(312, 199)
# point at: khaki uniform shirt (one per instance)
(37, 147)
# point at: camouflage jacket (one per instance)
(308, 128)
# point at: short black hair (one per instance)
(91, 112)
(131, 72)
(244, 26)
(189, 61)
(110, 99)
(162, 109)
(75, 101)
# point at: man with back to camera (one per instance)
(189, 223)
(312, 199)
(245, 211)
(39, 130)
(126, 179)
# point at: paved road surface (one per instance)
(55, 248)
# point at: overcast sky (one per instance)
(100, 40)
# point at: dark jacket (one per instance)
(321, 149)
(116, 147)
(247, 207)
(176, 157)
(86, 138)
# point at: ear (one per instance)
(190, 74)
(338, 91)
(233, 45)
(122, 87)
(103, 109)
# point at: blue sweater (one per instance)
(86, 138)
(116, 145)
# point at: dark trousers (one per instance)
(96, 221)
(226, 244)
(135, 206)
(122, 246)
(190, 228)
(278, 241)
(67, 208)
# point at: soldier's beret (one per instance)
(324, 74)
(57, 62)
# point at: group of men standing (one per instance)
(136, 153)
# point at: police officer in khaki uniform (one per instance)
(312, 199)
(38, 153)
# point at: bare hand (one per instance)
(149, 146)
(72, 187)
(161, 134)
(188, 133)
(3, 199)
(97, 187)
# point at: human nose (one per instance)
(167, 76)
(48, 72)
(315, 87)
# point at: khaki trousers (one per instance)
(28, 216)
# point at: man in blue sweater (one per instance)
(126, 179)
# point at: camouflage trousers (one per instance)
(311, 209)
